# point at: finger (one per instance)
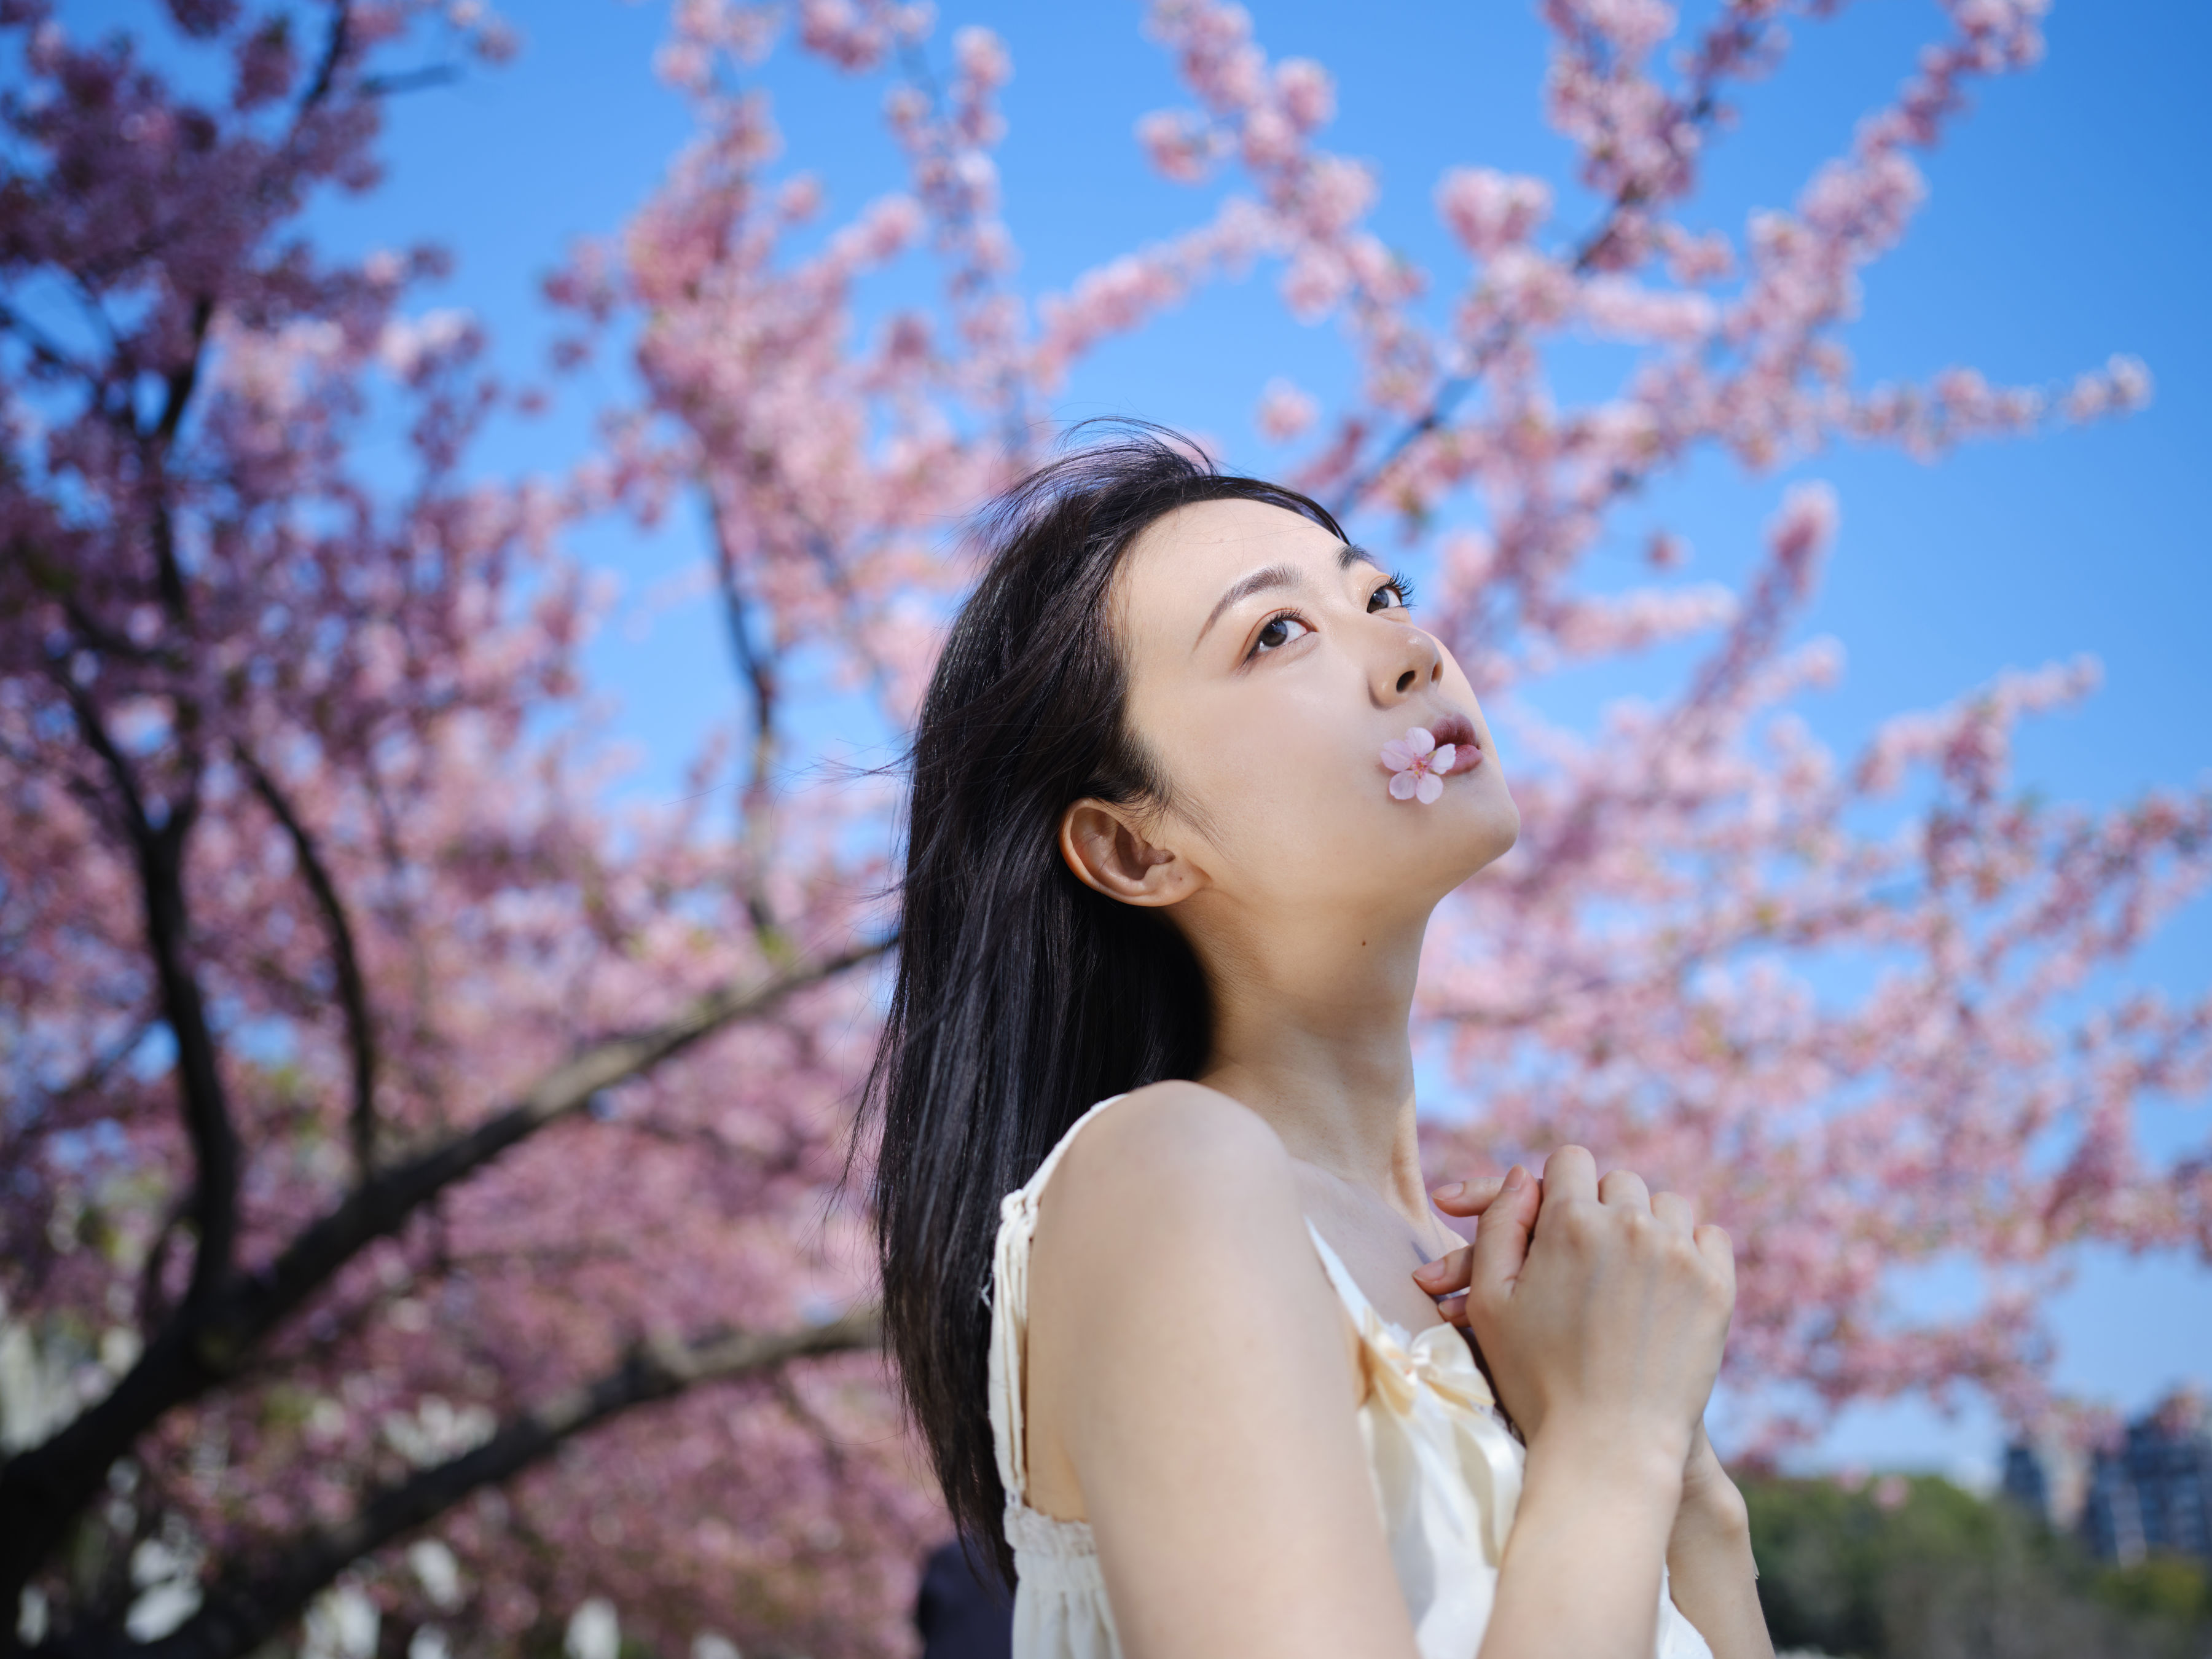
(1470, 1197)
(1718, 1249)
(1624, 1189)
(1675, 1212)
(1453, 1271)
(1453, 1310)
(1570, 1172)
(1501, 1237)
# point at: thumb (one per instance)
(1470, 1197)
(1501, 1237)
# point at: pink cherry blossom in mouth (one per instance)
(1418, 764)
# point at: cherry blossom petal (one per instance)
(1431, 786)
(1403, 786)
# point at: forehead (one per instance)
(1178, 566)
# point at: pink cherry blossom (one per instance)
(1417, 765)
(1489, 210)
(1285, 412)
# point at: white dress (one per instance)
(1446, 1470)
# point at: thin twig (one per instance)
(352, 991)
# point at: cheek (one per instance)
(1254, 740)
(1300, 803)
(1259, 800)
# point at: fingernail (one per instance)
(1517, 1178)
(1452, 1191)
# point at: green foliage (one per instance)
(1934, 1572)
(2164, 1587)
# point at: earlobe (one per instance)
(1109, 854)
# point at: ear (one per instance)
(1107, 852)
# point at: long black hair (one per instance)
(1022, 997)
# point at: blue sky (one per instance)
(2067, 221)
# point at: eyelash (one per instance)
(1400, 584)
(1404, 587)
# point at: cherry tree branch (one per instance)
(240, 1614)
(758, 667)
(159, 851)
(181, 381)
(353, 992)
(414, 80)
(91, 1075)
(42, 346)
(1726, 45)
(153, 1300)
(335, 47)
(1454, 388)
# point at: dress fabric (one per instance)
(1446, 1470)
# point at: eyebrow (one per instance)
(1275, 575)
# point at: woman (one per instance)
(1168, 1299)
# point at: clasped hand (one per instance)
(1600, 1309)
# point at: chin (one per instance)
(1509, 828)
(1492, 824)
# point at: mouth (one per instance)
(1454, 729)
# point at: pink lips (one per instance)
(1458, 730)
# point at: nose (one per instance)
(1409, 661)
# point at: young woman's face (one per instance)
(1269, 663)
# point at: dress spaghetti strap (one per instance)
(1009, 1296)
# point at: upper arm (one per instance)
(1186, 1356)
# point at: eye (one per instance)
(1396, 594)
(1278, 631)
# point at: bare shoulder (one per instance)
(1175, 1203)
(1173, 1157)
(1178, 1133)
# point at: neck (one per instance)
(1310, 1032)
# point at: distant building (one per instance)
(2148, 1491)
(2050, 1476)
